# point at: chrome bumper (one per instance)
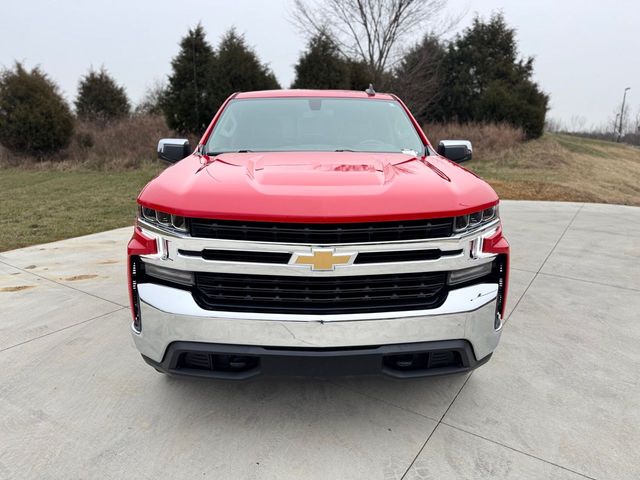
(171, 315)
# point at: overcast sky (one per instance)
(587, 51)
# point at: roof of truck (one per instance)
(314, 93)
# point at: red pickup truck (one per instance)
(316, 233)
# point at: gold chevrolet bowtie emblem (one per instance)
(322, 259)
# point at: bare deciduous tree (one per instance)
(151, 103)
(371, 31)
(577, 123)
(554, 125)
(417, 77)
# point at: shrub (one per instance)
(488, 139)
(34, 118)
(84, 140)
(100, 97)
(126, 143)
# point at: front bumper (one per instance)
(174, 324)
(240, 362)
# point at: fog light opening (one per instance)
(408, 362)
(471, 273)
(169, 274)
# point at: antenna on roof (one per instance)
(370, 91)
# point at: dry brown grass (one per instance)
(121, 145)
(564, 167)
(555, 167)
(486, 138)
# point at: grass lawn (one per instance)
(564, 168)
(39, 206)
(43, 205)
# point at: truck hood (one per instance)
(317, 187)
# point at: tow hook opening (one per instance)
(218, 362)
(423, 361)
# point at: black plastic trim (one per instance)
(319, 362)
(404, 256)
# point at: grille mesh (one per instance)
(320, 295)
(321, 234)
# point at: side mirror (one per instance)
(173, 150)
(456, 150)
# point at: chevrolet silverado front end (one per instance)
(315, 233)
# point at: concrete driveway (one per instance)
(560, 399)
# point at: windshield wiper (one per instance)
(344, 150)
(213, 154)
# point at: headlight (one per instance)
(163, 219)
(475, 219)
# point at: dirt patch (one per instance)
(78, 277)
(17, 288)
(108, 262)
(30, 267)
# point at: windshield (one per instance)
(314, 124)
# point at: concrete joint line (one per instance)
(555, 275)
(517, 451)
(575, 215)
(62, 329)
(513, 310)
(385, 402)
(435, 428)
(62, 284)
(465, 382)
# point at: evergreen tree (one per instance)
(34, 118)
(100, 97)
(322, 66)
(360, 76)
(190, 99)
(485, 81)
(239, 68)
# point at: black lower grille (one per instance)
(320, 295)
(321, 234)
